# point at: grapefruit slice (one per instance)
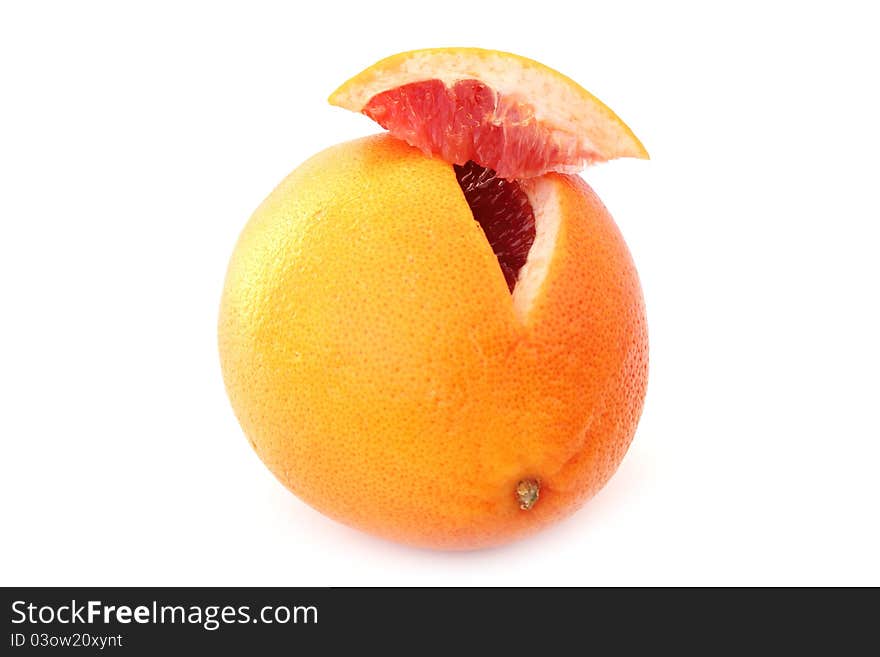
(502, 111)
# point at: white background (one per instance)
(134, 144)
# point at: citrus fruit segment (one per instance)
(502, 111)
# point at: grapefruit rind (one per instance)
(544, 198)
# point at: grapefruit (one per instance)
(430, 351)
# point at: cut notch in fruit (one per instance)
(505, 112)
(543, 197)
(520, 221)
(503, 211)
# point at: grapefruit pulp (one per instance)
(505, 112)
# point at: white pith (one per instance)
(570, 114)
(544, 199)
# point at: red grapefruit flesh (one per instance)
(505, 112)
(503, 211)
(470, 121)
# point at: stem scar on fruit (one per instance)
(527, 493)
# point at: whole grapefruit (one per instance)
(426, 350)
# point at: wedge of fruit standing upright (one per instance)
(507, 113)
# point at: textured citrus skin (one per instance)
(372, 354)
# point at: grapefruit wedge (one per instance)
(505, 112)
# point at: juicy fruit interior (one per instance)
(503, 211)
(468, 120)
